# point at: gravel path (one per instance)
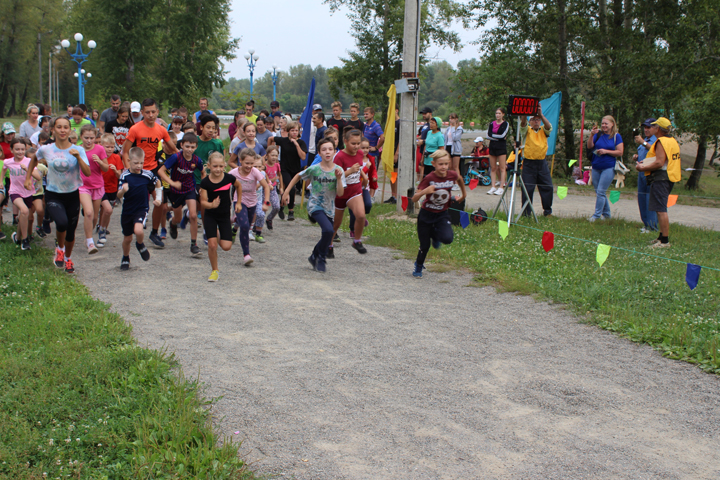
(367, 373)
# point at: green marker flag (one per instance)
(614, 196)
(572, 162)
(602, 253)
(503, 229)
(562, 192)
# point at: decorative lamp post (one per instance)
(274, 77)
(252, 59)
(79, 58)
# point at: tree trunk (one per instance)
(3, 99)
(13, 96)
(694, 180)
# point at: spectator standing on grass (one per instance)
(497, 133)
(109, 114)
(607, 146)
(453, 143)
(434, 141)
(662, 170)
(649, 137)
(32, 124)
(535, 170)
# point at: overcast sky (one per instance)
(273, 30)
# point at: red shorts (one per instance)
(351, 191)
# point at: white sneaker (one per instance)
(251, 237)
(499, 191)
(491, 191)
(497, 184)
(644, 230)
(456, 188)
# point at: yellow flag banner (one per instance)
(388, 153)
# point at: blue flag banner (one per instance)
(692, 275)
(306, 118)
(464, 219)
(551, 110)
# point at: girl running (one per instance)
(433, 223)
(21, 197)
(249, 177)
(326, 181)
(93, 187)
(110, 181)
(65, 162)
(369, 183)
(215, 199)
(249, 130)
(274, 176)
(259, 221)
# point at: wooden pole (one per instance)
(382, 196)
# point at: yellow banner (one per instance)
(388, 153)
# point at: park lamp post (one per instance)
(252, 59)
(80, 58)
(274, 77)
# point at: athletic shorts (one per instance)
(127, 222)
(212, 224)
(351, 191)
(38, 196)
(659, 193)
(179, 199)
(110, 197)
(498, 148)
(95, 193)
(166, 195)
(28, 201)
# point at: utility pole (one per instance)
(40, 82)
(408, 107)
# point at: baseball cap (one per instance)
(478, 139)
(661, 122)
(426, 110)
(8, 127)
(317, 106)
(648, 122)
(276, 114)
(275, 103)
(135, 107)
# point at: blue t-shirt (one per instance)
(258, 148)
(642, 151)
(372, 133)
(63, 169)
(602, 162)
(200, 112)
(141, 185)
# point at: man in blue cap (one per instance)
(644, 143)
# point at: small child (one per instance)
(181, 181)
(160, 157)
(135, 185)
(38, 198)
(327, 180)
(249, 177)
(259, 220)
(73, 137)
(21, 197)
(433, 222)
(110, 178)
(274, 176)
(93, 187)
(215, 199)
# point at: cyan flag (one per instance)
(306, 118)
(551, 110)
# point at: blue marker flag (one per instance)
(692, 275)
(306, 119)
(464, 219)
(551, 110)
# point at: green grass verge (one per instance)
(642, 298)
(79, 398)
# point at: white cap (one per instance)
(478, 139)
(135, 107)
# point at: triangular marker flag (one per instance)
(464, 219)
(562, 192)
(602, 253)
(572, 162)
(692, 275)
(473, 183)
(548, 241)
(404, 201)
(671, 200)
(503, 229)
(393, 177)
(614, 196)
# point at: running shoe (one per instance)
(331, 252)
(313, 261)
(163, 234)
(233, 235)
(291, 216)
(491, 191)
(259, 238)
(251, 236)
(214, 275)
(269, 224)
(92, 248)
(2, 236)
(194, 249)
(247, 260)
(173, 230)
(659, 245)
(14, 238)
(125, 263)
(59, 259)
(359, 247)
(337, 238)
(46, 227)
(320, 265)
(156, 240)
(436, 244)
(25, 245)
(185, 219)
(281, 213)
(40, 232)
(69, 266)
(391, 201)
(418, 270)
(205, 238)
(102, 238)
(499, 191)
(143, 251)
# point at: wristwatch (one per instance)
(645, 144)
(267, 202)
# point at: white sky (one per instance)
(273, 30)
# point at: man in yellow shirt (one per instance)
(662, 170)
(535, 170)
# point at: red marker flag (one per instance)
(548, 241)
(473, 183)
(404, 203)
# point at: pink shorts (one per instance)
(95, 193)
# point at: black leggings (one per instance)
(432, 226)
(367, 200)
(64, 209)
(287, 178)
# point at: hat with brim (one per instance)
(478, 139)
(135, 107)
(662, 122)
(8, 127)
(648, 123)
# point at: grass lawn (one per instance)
(80, 399)
(640, 297)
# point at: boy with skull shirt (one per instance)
(433, 223)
